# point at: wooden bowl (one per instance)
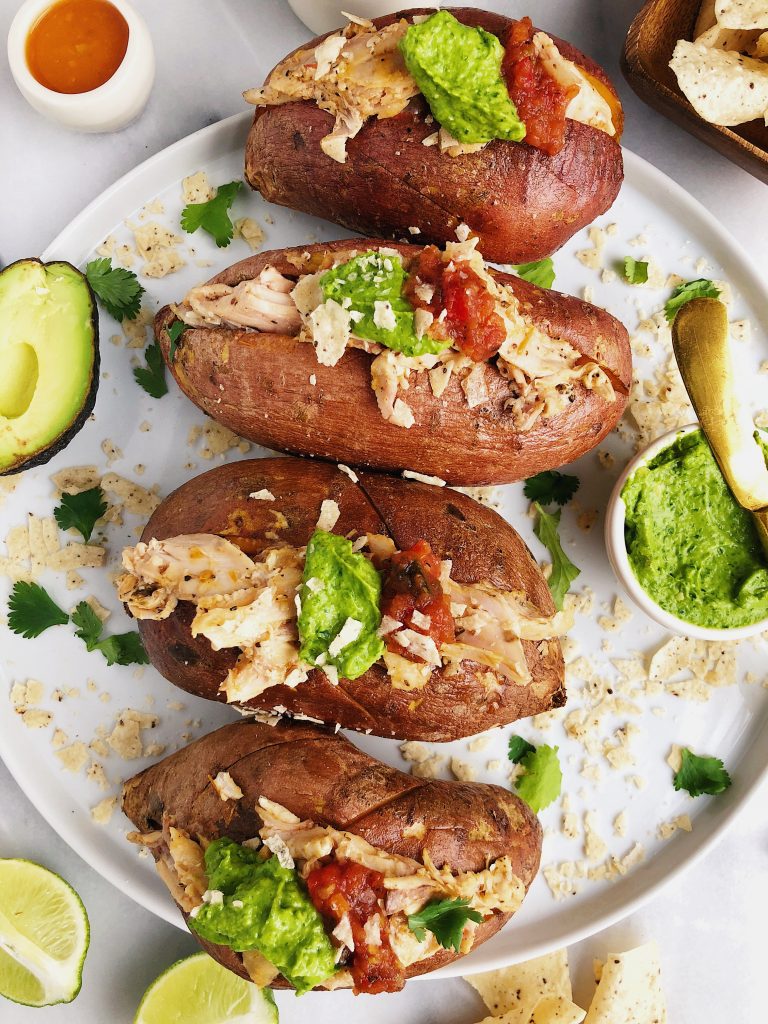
(645, 62)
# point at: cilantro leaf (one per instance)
(518, 748)
(564, 572)
(445, 919)
(124, 649)
(551, 486)
(81, 511)
(174, 332)
(700, 775)
(213, 216)
(152, 376)
(89, 625)
(542, 272)
(120, 649)
(540, 786)
(31, 610)
(701, 288)
(635, 271)
(117, 289)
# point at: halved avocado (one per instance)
(49, 360)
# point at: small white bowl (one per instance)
(617, 554)
(109, 107)
(325, 15)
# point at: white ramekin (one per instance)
(325, 15)
(617, 554)
(114, 104)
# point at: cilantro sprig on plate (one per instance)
(32, 611)
(118, 649)
(445, 919)
(152, 376)
(551, 486)
(542, 272)
(116, 288)
(564, 572)
(635, 271)
(518, 748)
(81, 511)
(701, 775)
(213, 216)
(543, 779)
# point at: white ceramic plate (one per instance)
(731, 725)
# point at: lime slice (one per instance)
(200, 991)
(44, 935)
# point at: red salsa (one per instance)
(412, 583)
(461, 298)
(344, 887)
(540, 100)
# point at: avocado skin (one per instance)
(59, 443)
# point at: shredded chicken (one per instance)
(359, 73)
(252, 606)
(186, 568)
(188, 864)
(495, 888)
(389, 375)
(543, 372)
(260, 970)
(263, 303)
(409, 883)
(354, 75)
(491, 623)
(240, 603)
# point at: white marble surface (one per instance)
(711, 924)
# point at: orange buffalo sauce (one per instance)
(77, 45)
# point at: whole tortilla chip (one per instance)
(723, 87)
(739, 39)
(556, 1010)
(629, 991)
(742, 13)
(515, 991)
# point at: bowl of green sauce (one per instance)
(688, 555)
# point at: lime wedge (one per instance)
(200, 991)
(44, 935)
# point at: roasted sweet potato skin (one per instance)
(522, 204)
(259, 385)
(321, 776)
(480, 543)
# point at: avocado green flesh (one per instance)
(48, 356)
(693, 549)
(266, 907)
(349, 588)
(458, 70)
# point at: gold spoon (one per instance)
(700, 341)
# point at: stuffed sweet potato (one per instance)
(297, 859)
(400, 357)
(402, 609)
(421, 121)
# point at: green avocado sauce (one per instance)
(693, 549)
(375, 277)
(458, 70)
(345, 585)
(277, 917)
